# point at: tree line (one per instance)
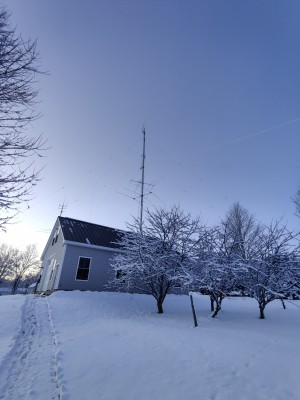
(18, 268)
(239, 256)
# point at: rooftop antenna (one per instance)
(143, 178)
(62, 207)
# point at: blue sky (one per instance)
(203, 76)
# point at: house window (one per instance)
(55, 237)
(83, 269)
(120, 274)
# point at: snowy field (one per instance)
(109, 346)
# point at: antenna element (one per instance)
(62, 207)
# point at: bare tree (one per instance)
(29, 279)
(26, 263)
(8, 256)
(153, 260)
(239, 232)
(19, 65)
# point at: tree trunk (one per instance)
(159, 306)
(283, 304)
(15, 286)
(218, 308)
(212, 306)
(261, 311)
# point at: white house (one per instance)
(78, 256)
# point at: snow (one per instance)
(30, 370)
(113, 346)
(11, 308)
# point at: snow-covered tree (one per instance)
(242, 255)
(215, 271)
(272, 273)
(153, 259)
(233, 241)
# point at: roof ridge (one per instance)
(90, 223)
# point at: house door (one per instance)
(52, 276)
(48, 274)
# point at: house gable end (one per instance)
(71, 239)
(49, 242)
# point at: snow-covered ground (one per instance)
(110, 346)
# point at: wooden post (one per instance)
(193, 309)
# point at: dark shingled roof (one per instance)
(88, 233)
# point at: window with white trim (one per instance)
(55, 237)
(120, 274)
(83, 269)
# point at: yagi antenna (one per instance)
(63, 208)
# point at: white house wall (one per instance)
(54, 251)
(100, 272)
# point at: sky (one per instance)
(215, 83)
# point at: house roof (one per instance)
(85, 232)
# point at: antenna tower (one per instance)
(142, 183)
(62, 207)
(143, 179)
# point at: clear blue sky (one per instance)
(203, 76)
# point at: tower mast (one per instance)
(63, 207)
(143, 179)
